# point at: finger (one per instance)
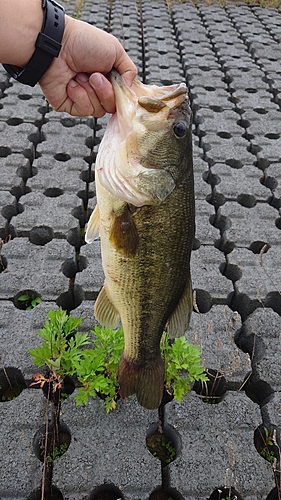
(96, 95)
(104, 91)
(125, 67)
(83, 104)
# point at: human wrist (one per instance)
(47, 46)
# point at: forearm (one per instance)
(20, 23)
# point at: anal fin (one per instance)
(178, 322)
(105, 312)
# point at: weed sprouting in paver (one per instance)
(66, 352)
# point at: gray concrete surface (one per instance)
(231, 60)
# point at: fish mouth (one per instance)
(148, 97)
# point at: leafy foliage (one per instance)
(65, 351)
(182, 365)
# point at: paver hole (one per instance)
(250, 343)
(87, 176)
(257, 246)
(3, 263)
(223, 493)
(264, 437)
(27, 299)
(5, 151)
(269, 182)
(234, 163)
(51, 443)
(251, 90)
(216, 109)
(210, 89)
(231, 271)
(224, 135)
(71, 299)
(202, 300)
(71, 267)
(273, 494)
(273, 300)
(260, 111)
(162, 493)
(106, 492)
(225, 246)
(216, 199)
(246, 200)
(40, 235)
(210, 178)
(50, 493)
(164, 442)
(62, 157)
(213, 391)
(14, 121)
(272, 136)
(278, 223)
(24, 97)
(53, 192)
(68, 122)
(12, 383)
(220, 222)
(259, 391)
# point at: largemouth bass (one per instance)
(145, 219)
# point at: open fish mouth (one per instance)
(149, 97)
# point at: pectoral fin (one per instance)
(178, 322)
(124, 234)
(105, 312)
(156, 183)
(93, 226)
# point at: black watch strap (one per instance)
(48, 45)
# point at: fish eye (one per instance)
(180, 129)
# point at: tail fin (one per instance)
(146, 382)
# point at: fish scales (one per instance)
(146, 245)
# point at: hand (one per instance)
(75, 81)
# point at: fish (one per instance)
(145, 218)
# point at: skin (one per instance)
(75, 81)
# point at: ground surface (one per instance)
(231, 61)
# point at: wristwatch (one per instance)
(48, 45)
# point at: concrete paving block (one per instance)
(262, 227)
(214, 332)
(112, 452)
(54, 212)
(233, 182)
(14, 168)
(23, 108)
(18, 139)
(91, 278)
(222, 122)
(274, 172)
(231, 443)
(254, 280)
(20, 469)
(53, 175)
(210, 96)
(35, 267)
(251, 98)
(267, 148)
(215, 78)
(72, 145)
(261, 122)
(231, 150)
(269, 367)
(18, 333)
(250, 78)
(205, 263)
(8, 205)
(205, 232)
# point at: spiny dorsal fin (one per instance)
(105, 312)
(93, 226)
(124, 234)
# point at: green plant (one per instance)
(265, 452)
(57, 452)
(30, 300)
(65, 351)
(182, 365)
